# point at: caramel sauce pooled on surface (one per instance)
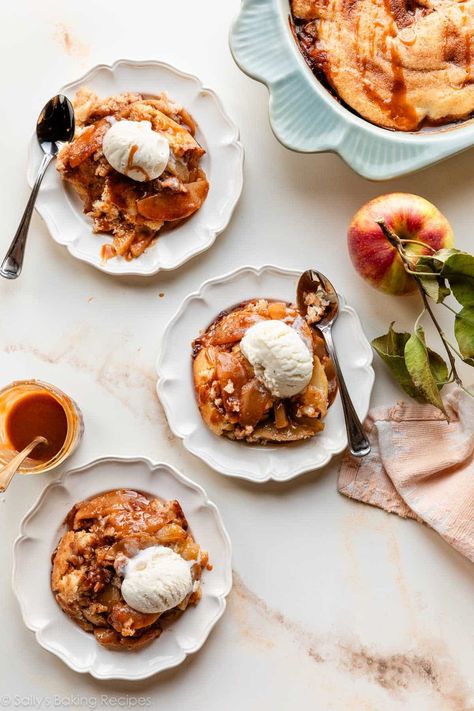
(37, 413)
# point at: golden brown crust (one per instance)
(398, 63)
(133, 212)
(86, 565)
(233, 402)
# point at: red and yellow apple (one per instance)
(411, 217)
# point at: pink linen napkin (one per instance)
(420, 467)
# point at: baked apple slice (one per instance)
(89, 141)
(255, 401)
(167, 207)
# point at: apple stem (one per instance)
(419, 274)
(417, 322)
(392, 237)
(444, 341)
(395, 240)
(398, 243)
(417, 241)
(455, 350)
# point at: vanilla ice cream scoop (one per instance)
(280, 358)
(135, 150)
(156, 579)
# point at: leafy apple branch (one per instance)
(419, 370)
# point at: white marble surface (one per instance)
(335, 605)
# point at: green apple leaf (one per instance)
(391, 348)
(458, 269)
(443, 254)
(429, 262)
(434, 286)
(427, 376)
(464, 332)
(439, 290)
(439, 368)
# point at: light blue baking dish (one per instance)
(305, 117)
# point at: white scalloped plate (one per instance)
(39, 534)
(61, 208)
(176, 392)
(306, 117)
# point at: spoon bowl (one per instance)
(55, 126)
(311, 283)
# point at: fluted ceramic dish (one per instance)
(176, 389)
(41, 530)
(61, 208)
(306, 117)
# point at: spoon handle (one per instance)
(359, 445)
(10, 469)
(13, 262)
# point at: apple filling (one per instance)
(133, 212)
(235, 403)
(103, 533)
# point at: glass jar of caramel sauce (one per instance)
(29, 408)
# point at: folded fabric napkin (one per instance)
(420, 467)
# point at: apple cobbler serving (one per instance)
(261, 374)
(135, 163)
(400, 64)
(127, 563)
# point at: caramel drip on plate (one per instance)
(130, 166)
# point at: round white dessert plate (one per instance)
(176, 391)
(41, 530)
(61, 208)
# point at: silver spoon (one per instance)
(55, 125)
(312, 282)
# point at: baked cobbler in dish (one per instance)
(400, 64)
(135, 163)
(127, 563)
(261, 374)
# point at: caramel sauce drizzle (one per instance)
(397, 104)
(130, 166)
